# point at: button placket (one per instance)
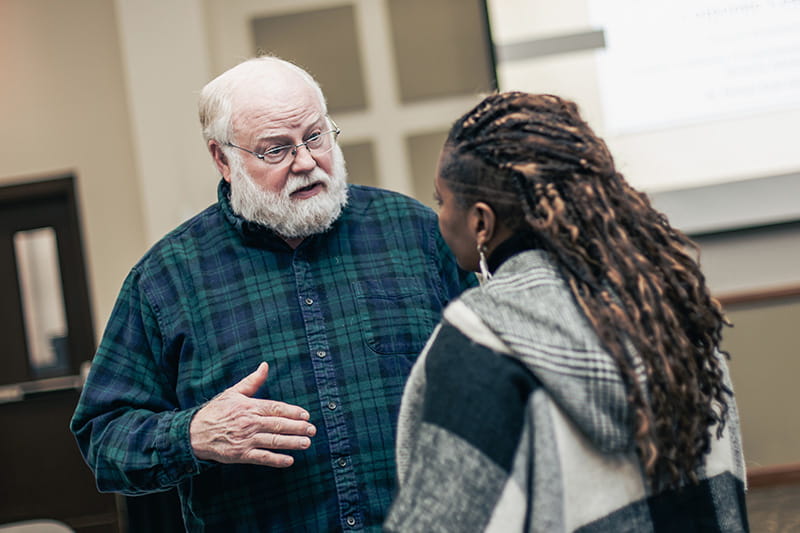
(324, 365)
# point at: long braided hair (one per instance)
(540, 166)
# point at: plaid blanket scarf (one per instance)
(514, 418)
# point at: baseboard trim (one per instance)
(763, 295)
(770, 476)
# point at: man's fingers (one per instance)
(286, 426)
(272, 408)
(250, 384)
(272, 441)
(267, 458)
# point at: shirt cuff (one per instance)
(174, 447)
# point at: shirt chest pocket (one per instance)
(396, 314)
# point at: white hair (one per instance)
(215, 105)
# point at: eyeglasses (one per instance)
(317, 144)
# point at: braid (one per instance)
(544, 171)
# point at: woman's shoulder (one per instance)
(468, 359)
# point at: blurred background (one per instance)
(101, 154)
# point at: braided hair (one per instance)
(545, 173)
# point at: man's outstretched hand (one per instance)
(234, 427)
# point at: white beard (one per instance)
(291, 219)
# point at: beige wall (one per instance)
(164, 58)
(63, 109)
(107, 91)
(765, 353)
(764, 368)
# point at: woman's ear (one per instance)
(220, 159)
(482, 222)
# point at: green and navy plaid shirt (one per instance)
(340, 320)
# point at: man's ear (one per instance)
(220, 159)
(482, 222)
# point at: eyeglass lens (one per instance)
(318, 144)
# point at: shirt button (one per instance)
(321, 354)
(342, 462)
(351, 521)
(331, 405)
(309, 301)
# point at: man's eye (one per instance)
(314, 138)
(275, 151)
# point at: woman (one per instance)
(582, 386)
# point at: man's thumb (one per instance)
(250, 384)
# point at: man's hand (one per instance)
(234, 427)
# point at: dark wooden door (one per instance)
(43, 474)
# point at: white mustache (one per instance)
(296, 182)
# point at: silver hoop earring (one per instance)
(482, 263)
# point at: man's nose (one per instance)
(303, 160)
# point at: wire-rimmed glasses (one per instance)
(319, 143)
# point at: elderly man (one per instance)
(256, 356)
